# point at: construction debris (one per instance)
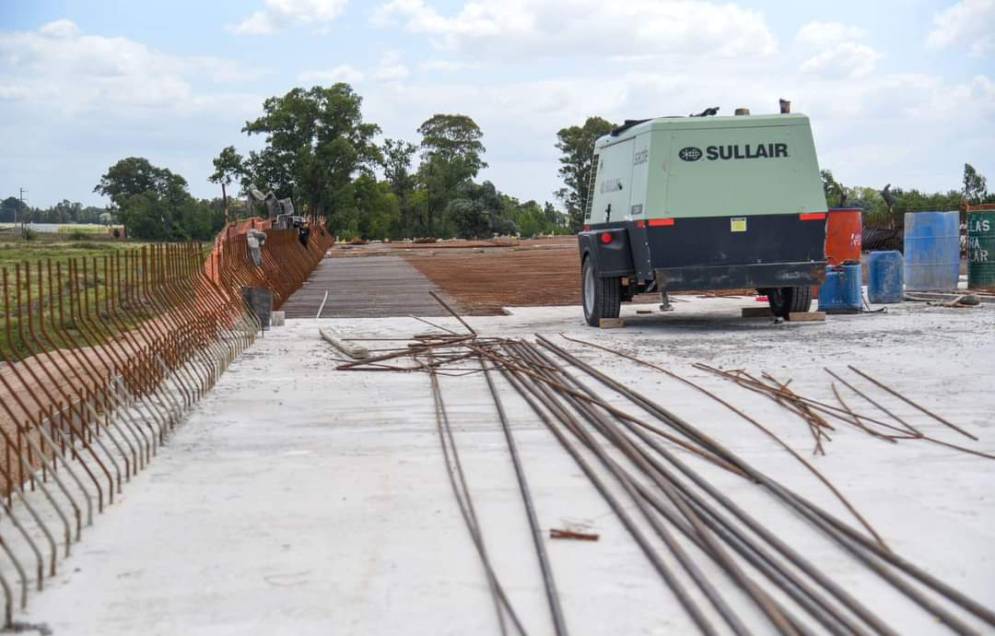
(807, 316)
(555, 533)
(643, 477)
(356, 352)
(756, 312)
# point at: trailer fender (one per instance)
(610, 258)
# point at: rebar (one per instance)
(674, 499)
(101, 357)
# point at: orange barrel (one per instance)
(844, 233)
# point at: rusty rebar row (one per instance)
(100, 359)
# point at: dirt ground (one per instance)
(484, 276)
(485, 281)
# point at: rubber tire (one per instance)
(788, 300)
(607, 292)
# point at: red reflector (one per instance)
(813, 216)
(661, 222)
(606, 237)
(640, 224)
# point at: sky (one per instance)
(898, 92)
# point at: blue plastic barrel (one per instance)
(932, 251)
(884, 277)
(841, 292)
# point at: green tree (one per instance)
(397, 162)
(146, 216)
(452, 155)
(316, 142)
(135, 175)
(576, 145)
(227, 166)
(835, 192)
(12, 209)
(380, 210)
(153, 203)
(975, 185)
(479, 210)
(531, 219)
(555, 220)
(916, 201)
(528, 218)
(397, 159)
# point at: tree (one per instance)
(576, 144)
(316, 141)
(380, 209)
(531, 219)
(975, 185)
(227, 166)
(836, 194)
(451, 157)
(555, 220)
(397, 157)
(479, 211)
(12, 209)
(135, 175)
(153, 203)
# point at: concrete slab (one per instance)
(302, 500)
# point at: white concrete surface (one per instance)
(302, 500)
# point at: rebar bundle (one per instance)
(714, 556)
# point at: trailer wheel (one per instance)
(787, 300)
(602, 297)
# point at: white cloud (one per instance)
(341, 73)
(281, 13)
(446, 66)
(846, 59)
(257, 23)
(970, 23)
(60, 29)
(834, 51)
(825, 33)
(13, 91)
(554, 28)
(59, 67)
(73, 103)
(391, 68)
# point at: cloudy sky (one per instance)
(898, 91)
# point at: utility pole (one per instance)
(21, 199)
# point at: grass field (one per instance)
(28, 258)
(12, 252)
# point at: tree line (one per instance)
(886, 207)
(13, 209)
(320, 152)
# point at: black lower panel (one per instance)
(741, 276)
(777, 250)
(774, 238)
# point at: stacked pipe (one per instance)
(100, 359)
